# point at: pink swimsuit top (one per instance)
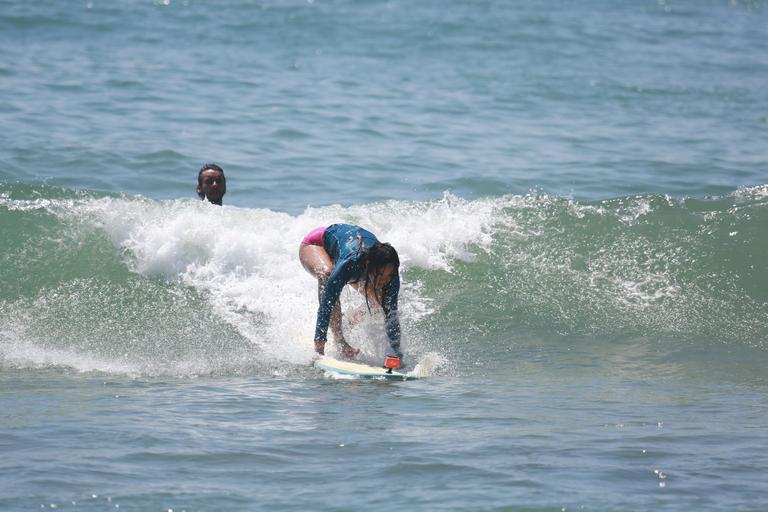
(315, 237)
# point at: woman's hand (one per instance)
(349, 351)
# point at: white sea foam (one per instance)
(246, 260)
(754, 193)
(646, 291)
(22, 353)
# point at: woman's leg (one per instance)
(317, 262)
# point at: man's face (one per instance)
(213, 185)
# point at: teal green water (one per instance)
(578, 194)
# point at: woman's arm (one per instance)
(391, 318)
(343, 271)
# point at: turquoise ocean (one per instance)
(578, 192)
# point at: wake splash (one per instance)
(188, 288)
(648, 266)
(133, 286)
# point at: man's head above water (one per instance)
(211, 183)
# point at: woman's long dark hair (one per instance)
(377, 258)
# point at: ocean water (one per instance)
(578, 192)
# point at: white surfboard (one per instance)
(360, 370)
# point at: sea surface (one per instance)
(578, 192)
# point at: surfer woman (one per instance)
(343, 254)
